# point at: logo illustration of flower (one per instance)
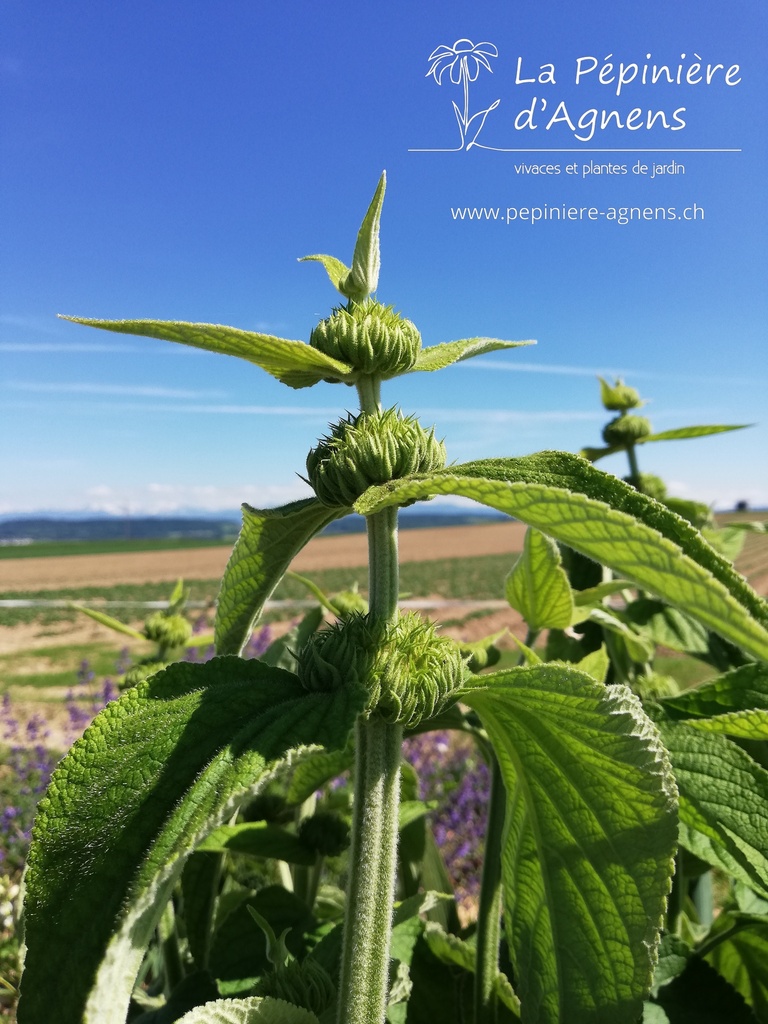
(463, 61)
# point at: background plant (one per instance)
(582, 783)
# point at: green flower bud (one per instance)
(168, 630)
(348, 602)
(369, 449)
(325, 833)
(372, 338)
(625, 430)
(306, 984)
(619, 397)
(408, 671)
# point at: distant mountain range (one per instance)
(36, 528)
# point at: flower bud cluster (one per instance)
(372, 338)
(306, 984)
(325, 833)
(369, 449)
(626, 430)
(619, 397)
(407, 670)
(168, 630)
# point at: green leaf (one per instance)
(736, 704)
(741, 956)
(253, 1010)
(723, 803)
(450, 949)
(292, 362)
(700, 996)
(109, 621)
(538, 586)
(607, 520)
(596, 664)
(259, 839)
(589, 840)
(674, 954)
(594, 594)
(638, 648)
(363, 278)
(667, 627)
(682, 433)
(436, 357)
(268, 541)
(336, 270)
(156, 771)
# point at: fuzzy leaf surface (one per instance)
(735, 703)
(538, 586)
(363, 277)
(292, 362)
(268, 541)
(436, 357)
(723, 803)
(590, 834)
(253, 1010)
(156, 771)
(607, 520)
(335, 269)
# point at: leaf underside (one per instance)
(267, 543)
(436, 357)
(590, 835)
(156, 771)
(607, 520)
(292, 362)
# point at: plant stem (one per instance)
(370, 891)
(490, 906)
(489, 910)
(369, 390)
(364, 981)
(634, 469)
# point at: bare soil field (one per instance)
(333, 552)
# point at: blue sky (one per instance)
(174, 160)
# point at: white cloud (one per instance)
(131, 390)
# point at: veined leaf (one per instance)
(735, 703)
(607, 520)
(156, 771)
(638, 648)
(538, 586)
(668, 627)
(253, 1010)
(436, 357)
(723, 802)
(269, 539)
(741, 956)
(589, 840)
(292, 362)
(682, 433)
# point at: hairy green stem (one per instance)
(489, 910)
(365, 959)
(364, 980)
(490, 906)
